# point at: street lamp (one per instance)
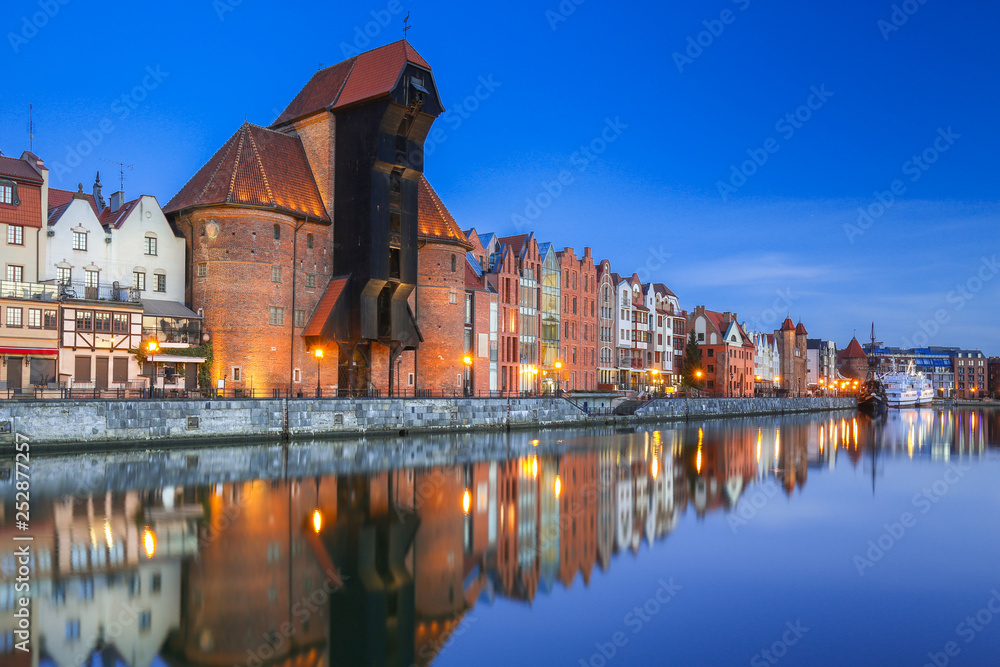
(467, 360)
(318, 353)
(152, 347)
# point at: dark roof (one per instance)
(160, 308)
(433, 219)
(21, 169)
(116, 218)
(256, 167)
(368, 75)
(516, 243)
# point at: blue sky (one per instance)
(688, 96)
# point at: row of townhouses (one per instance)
(313, 255)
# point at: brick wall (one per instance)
(440, 312)
(579, 347)
(237, 293)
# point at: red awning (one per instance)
(36, 351)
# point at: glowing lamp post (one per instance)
(152, 347)
(467, 360)
(318, 353)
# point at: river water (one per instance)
(826, 539)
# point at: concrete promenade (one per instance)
(126, 423)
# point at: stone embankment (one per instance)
(126, 423)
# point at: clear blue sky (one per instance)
(650, 199)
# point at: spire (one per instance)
(98, 198)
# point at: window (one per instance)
(15, 235)
(49, 320)
(15, 273)
(84, 320)
(120, 323)
(149, 245)
(277, 316)
(161, 283)
(300, 318)
(309, 240)
(6, 194)
(452, 297)
(310, 280)
(297, 375)
(14, 317)
(145, 621)
(73, 629)
(275, 274)
(90, 279)
(79, 240)
(237, 374)
(454, 263)
(202, 269)
(64, 275)
(139, 280)
(409, 379)
(102, 322)
(277, 232)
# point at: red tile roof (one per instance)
(256, 167)
(20, 169)
(516, 243)
(368, 75)
(801, 329)
(116, 218)
(61, 197)
(787, 324)
(853, 351)
(325, 306)
(433, 219)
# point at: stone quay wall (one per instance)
(76, 422)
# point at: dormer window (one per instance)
(8, 193)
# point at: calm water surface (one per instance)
(803, 540)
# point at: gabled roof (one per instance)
(370, 74)
(109, 218)
(257, 167)
(516, 243)
(20, 169)
(60, 197)
(433, 219)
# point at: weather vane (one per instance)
(406, 25)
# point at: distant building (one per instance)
(551, 354)
(821, 363)
(607, 328)
(727, 353)
(852, 361)
(970, 374)
(993, 376)
(791, 341)
(580, 322)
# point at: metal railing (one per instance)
(100, 292)
(10, 289)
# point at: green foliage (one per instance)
(692, 364)
(203, 350)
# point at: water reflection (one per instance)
(366, 554)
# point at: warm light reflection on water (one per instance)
(237, 556)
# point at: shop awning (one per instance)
(175, 359)
(158, 308)
(31, 351)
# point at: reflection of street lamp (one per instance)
(318, 353)
(466, 501)
(149, 542)
(317, 521)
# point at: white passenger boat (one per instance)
(907, 388)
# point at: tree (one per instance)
(692, 364)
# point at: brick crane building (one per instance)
(308, 229)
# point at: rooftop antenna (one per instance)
(121, 172)
(31, 128)
(406, 25)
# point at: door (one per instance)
(102, 373)
(14, 373)
(82, 374)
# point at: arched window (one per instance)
(277, 232)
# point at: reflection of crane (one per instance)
(877, 432)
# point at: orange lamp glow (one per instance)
(558, 486)
(466, 501)
(318, 353)
(149, 542)
(317, 521)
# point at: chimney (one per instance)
(98, 197)
(117, 200)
